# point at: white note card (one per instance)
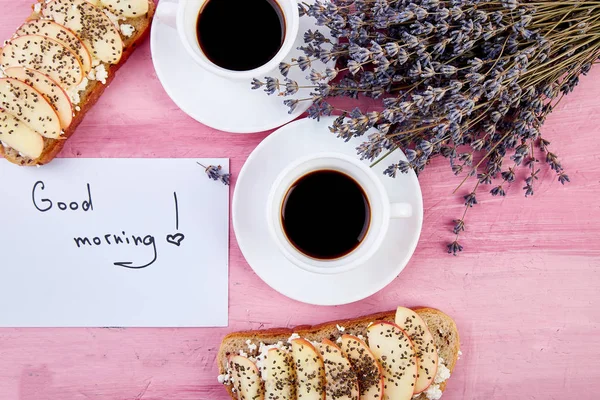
(114, 243)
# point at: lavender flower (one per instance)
(470, 80)
(459, 226)
(562, 178)
(272, 85)
(216, 174)
(470, 199)
(454, 248)
(498, 191)
(284, 69)
(256, 83)
(292, 104)
(291, 87)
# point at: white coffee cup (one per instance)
(382, 210)
(183, 14)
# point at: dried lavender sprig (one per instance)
(216, 173)
(465, 80)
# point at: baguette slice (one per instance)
(90, 96)
(442, 327)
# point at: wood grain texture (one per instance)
(524, 293)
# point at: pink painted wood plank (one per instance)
(524, 293)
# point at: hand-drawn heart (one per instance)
(175, 239)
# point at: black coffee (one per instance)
(240, 35)
(325, 214)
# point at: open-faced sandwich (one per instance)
(56, 66)
(388, 356)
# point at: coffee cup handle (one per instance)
(400, 210)
(167, 12)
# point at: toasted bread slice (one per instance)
(442, 327)
(90, 95)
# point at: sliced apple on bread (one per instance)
(52, 92)
(68, 51)
(45, 55)
(19, 136)
(368, 371)
(279, 375)
(397, 356)
(91, 25)
(126, 8)
(30, 107)
(340, 377)
(427, 356)
(63, 35)
(309, 369)
(246, 379)
(384, 364)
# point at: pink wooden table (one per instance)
(525, 293)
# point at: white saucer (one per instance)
(223, 104)
(295, 140)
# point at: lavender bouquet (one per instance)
(470, 80)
